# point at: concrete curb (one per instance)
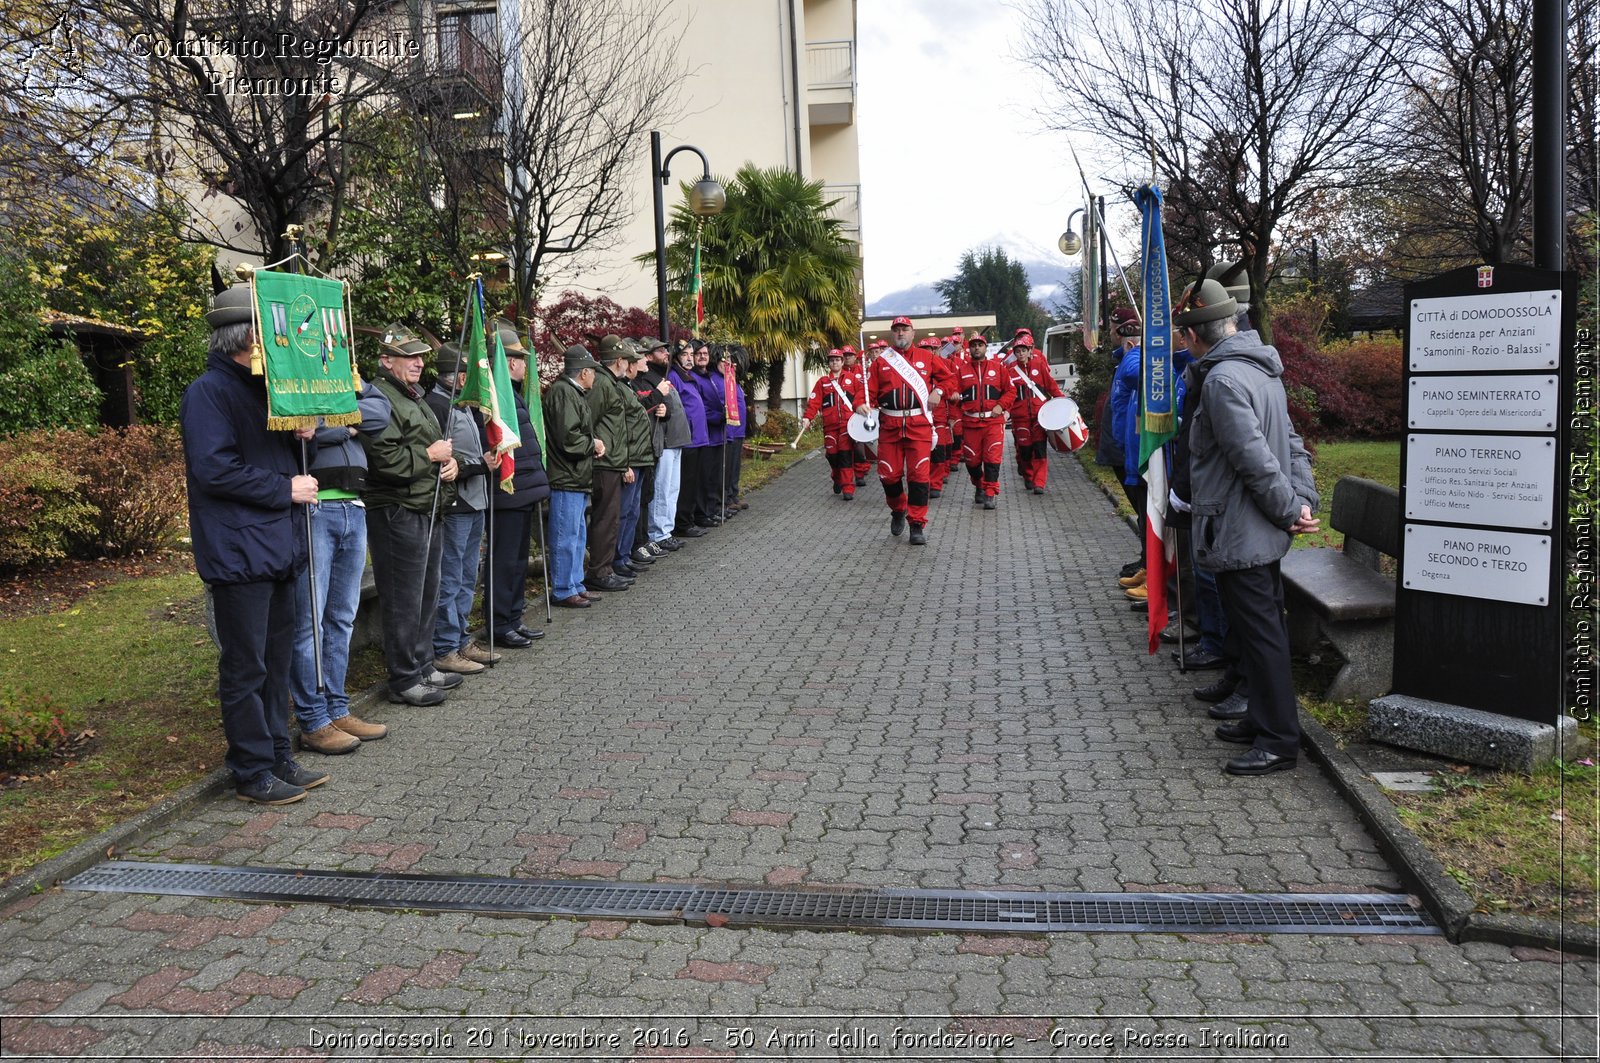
(1423, 874)
(130, 831)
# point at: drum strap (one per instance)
(1024, 380)
(837, 390)
(898, 363)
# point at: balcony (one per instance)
(463, 81)
(831, 82)
(846, 200)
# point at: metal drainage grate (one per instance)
(974, 911)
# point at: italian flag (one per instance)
(488, 387)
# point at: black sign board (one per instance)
(1483, 499)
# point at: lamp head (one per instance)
(1070, 243)
(707, 197)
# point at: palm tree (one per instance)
(777, 274)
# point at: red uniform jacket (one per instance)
(985, 384)
(825, 400)
(887, 389)
(1037, 370)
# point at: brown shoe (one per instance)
(1139, 594)
(361, 729)
(472, 651)
(329, 741)
(1135, 580)
(455, 662)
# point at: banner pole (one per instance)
(293, 235)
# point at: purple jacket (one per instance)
(711, 395)
(694, 407)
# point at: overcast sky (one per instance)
(952, 155)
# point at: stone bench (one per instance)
(1341, 595)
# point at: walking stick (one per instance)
(488, 583)
(544, 561)
(1183, 653)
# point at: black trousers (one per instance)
(688, 487)
(1137, 495)
(710, 504)
(255, 631)
(405, 568)
(735, 452)
(1258, 638)
(512, 532)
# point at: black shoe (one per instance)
(712, 521)
(513, 640)
(1199, 661)
(897, 523)
(610, 583)
(837, 488)
(918, 536)
(293, 774)
(1259, 762)
(977, 495)
(848, 496)
(670, 544)
(1239, 732)
(1130, 568)
(1037, 490)
(1216, 691)
(693, 531)
(934, 492)
(861, 481)
(625, 571)
(1235, 706)
(991, 503)
(532, 633)
(268, 789)
(642, 556)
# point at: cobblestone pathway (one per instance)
(795, 700)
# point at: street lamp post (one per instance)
(1070, 242)
(705, 199)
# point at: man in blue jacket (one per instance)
(249, 547)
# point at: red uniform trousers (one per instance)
(840, 450)
(905, 446)
(957, 429)
(1031, 442)
(983, 445)
(945, 451)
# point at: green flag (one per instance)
(304, 332)
(488, 387)
(531, 394)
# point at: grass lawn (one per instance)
(132, 665)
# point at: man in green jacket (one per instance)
(609, 400)
(410, 479)
(570, 449)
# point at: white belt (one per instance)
(901, 413)
(981, 416)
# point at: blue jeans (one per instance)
(339, 549)
(1208, 607)
(569, 534)
(458, 577)
(628, 523)
(664, 505)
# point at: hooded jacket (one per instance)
(1249, 471)
(241, 519)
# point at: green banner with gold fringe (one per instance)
(303, 323)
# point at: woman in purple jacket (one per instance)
(690, 474)
(734, 357)
(708, 510)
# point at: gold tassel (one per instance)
(258, 361)
(1160, 423)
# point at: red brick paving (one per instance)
(707, 971)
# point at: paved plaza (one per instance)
(797, 700)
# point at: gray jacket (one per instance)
(1249, 470)
(461, 429)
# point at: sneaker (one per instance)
(693, 531)
(643, 556)
(655, 551)
(366, 732)
(328, 740)
(934, 492)
(268, 789)
(443, 680)
(293, 774)
(459, 663)
(472, 651)
(420, 695)
(668, 545)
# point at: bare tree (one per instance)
(1583, 102)
(1275, 97)
(584, 82)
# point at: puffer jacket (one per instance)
(529, 481)
(1249, 472)
(1123, 409)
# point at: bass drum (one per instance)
(863, 429)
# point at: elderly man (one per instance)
(1252, 493)
(245, 524)
(463, 522)
(410, 480)
(672, 431)
(513, 515)
(609, 400)
(571, 450)
(906, 384)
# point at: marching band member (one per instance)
(854, 381)
(834, 396)
(943, 438)
(904, 384)
(1030, 373)
(986, 396)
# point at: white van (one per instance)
(1061, 344)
